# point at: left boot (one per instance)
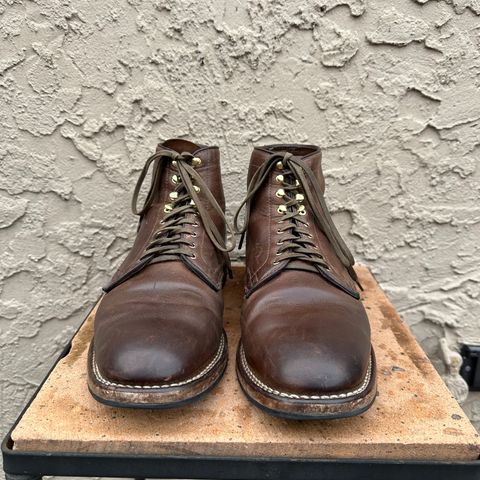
(305, 350)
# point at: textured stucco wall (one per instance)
(391, 90)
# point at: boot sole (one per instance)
(307, 407)
(172, 395)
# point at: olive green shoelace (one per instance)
(176, 232)
(298, 183)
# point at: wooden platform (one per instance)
(414, 416)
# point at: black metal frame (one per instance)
(20, 465)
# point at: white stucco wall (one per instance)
(390, 90)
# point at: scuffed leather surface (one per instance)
(303, 335)
(161, 326)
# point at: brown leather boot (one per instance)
(305, 350)
(159, 338)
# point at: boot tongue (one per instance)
(309, 154)
(179, 145)
(300, 265)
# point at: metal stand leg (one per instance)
(13, 476)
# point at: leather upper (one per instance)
(161, 326)
(209, 261)
(164, 323)
(302, 332)
(263, 229)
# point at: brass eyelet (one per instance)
(173, 195)
(279, 165)
(192, 202)
(194, 234)
(197, 189)
(301, 210)
(176, 179)
(278, 254)
(276, 262)
(280, 193)
(191, 245)
(167, 208)
(279, 243)
(281, 209)
(196, 162)
(174, 163)
(279, 178)
(193, 256)
(299, 197)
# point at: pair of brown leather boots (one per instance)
(159, 342)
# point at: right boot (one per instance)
(158, 331)
(305, 351)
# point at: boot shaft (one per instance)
(165, 194)
(282, 192)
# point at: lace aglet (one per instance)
(240, 243)
(109, 287)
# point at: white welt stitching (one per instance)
(260, 384)
(103, 380)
